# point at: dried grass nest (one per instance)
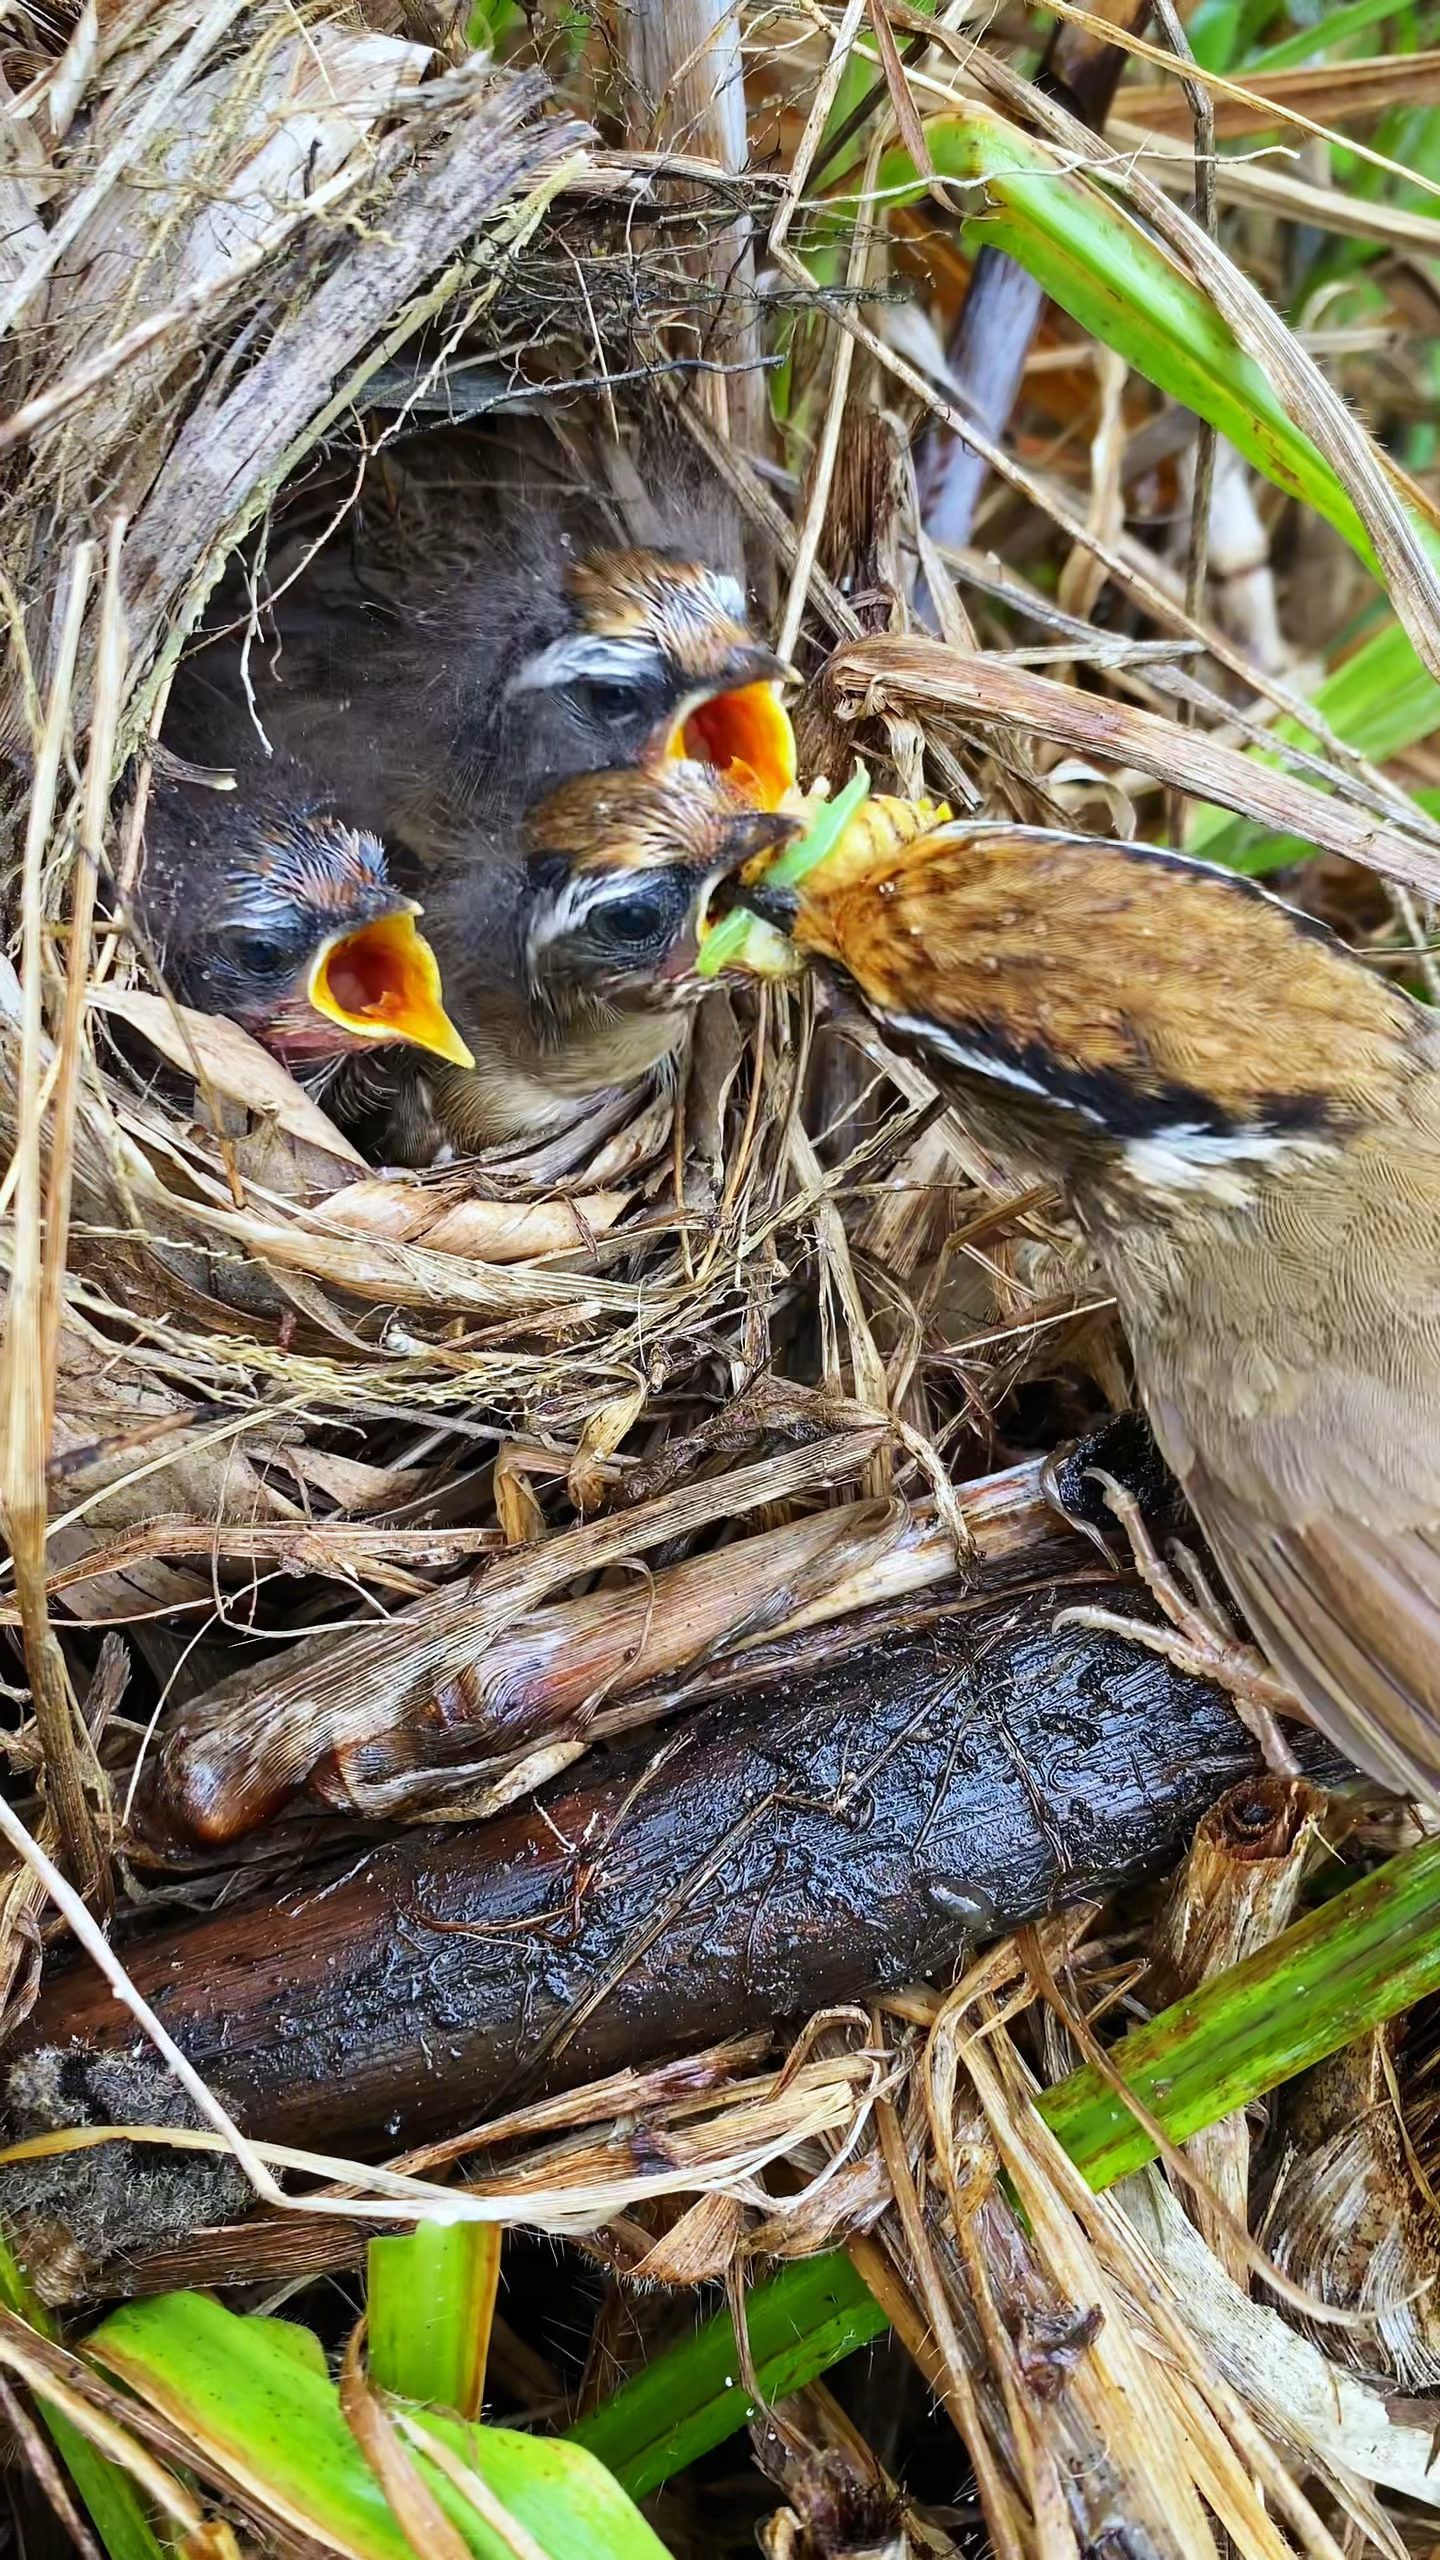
(252, 1389)
(279, 1392)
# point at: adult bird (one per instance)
(1246, 1122)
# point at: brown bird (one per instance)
(1246, 1122)
(603, 919)
(286, 922)
(456, 652)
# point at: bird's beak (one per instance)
(739, 927)
(383, 983)
(745, 733)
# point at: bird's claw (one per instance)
(1199, 1638)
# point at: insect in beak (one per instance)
(745, 734)
(747, 927)
(383, 983)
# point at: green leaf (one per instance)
(573, 2506)
(1368, 1953)
(490, 21)
(1381, 701)
(259, 2410)
(270, 2417)
(1122, 287)
(1214, 34)
(110, 2496)
(431, 2303)
(1334, 27)
(800, 2323)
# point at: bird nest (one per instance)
(257, 1388)
(340, 1501)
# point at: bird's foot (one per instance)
(1199, 1637)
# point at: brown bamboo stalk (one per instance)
(773, 1855)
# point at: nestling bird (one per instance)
(477, 630)
(601, 924)
(286, 921)
(1247, 1124)
(463, 646)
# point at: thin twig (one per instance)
(1197, 551)
(26, 1402)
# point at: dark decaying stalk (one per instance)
(852, 1826)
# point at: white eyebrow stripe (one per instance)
(579, 897)
(981, 1062)
(588, 653)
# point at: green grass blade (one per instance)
(800, 2323)
(1357, 1960)
(1334, 27)
(257, 2398)
(1122, 287)
(1381, 701)
(572, 2505)
(259, 2409)
(1360, 1958)
(110, 2497)
(431, 2301)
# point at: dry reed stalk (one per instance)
(927, 675)
(26, 1398)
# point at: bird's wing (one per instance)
(1351, 1615)
(1295, 1387)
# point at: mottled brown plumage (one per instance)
(1247, 1123)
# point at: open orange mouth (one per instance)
(383, 983)
(747, 736)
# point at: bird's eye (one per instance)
(645, 917)
(610, 703)
(267, 953)
(259, 955)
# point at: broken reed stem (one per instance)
(26, 1399)
(109, 679)
(1198, 547)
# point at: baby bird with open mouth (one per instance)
(603, 920)
(287, 922)
(564, 994)
(446, 663)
